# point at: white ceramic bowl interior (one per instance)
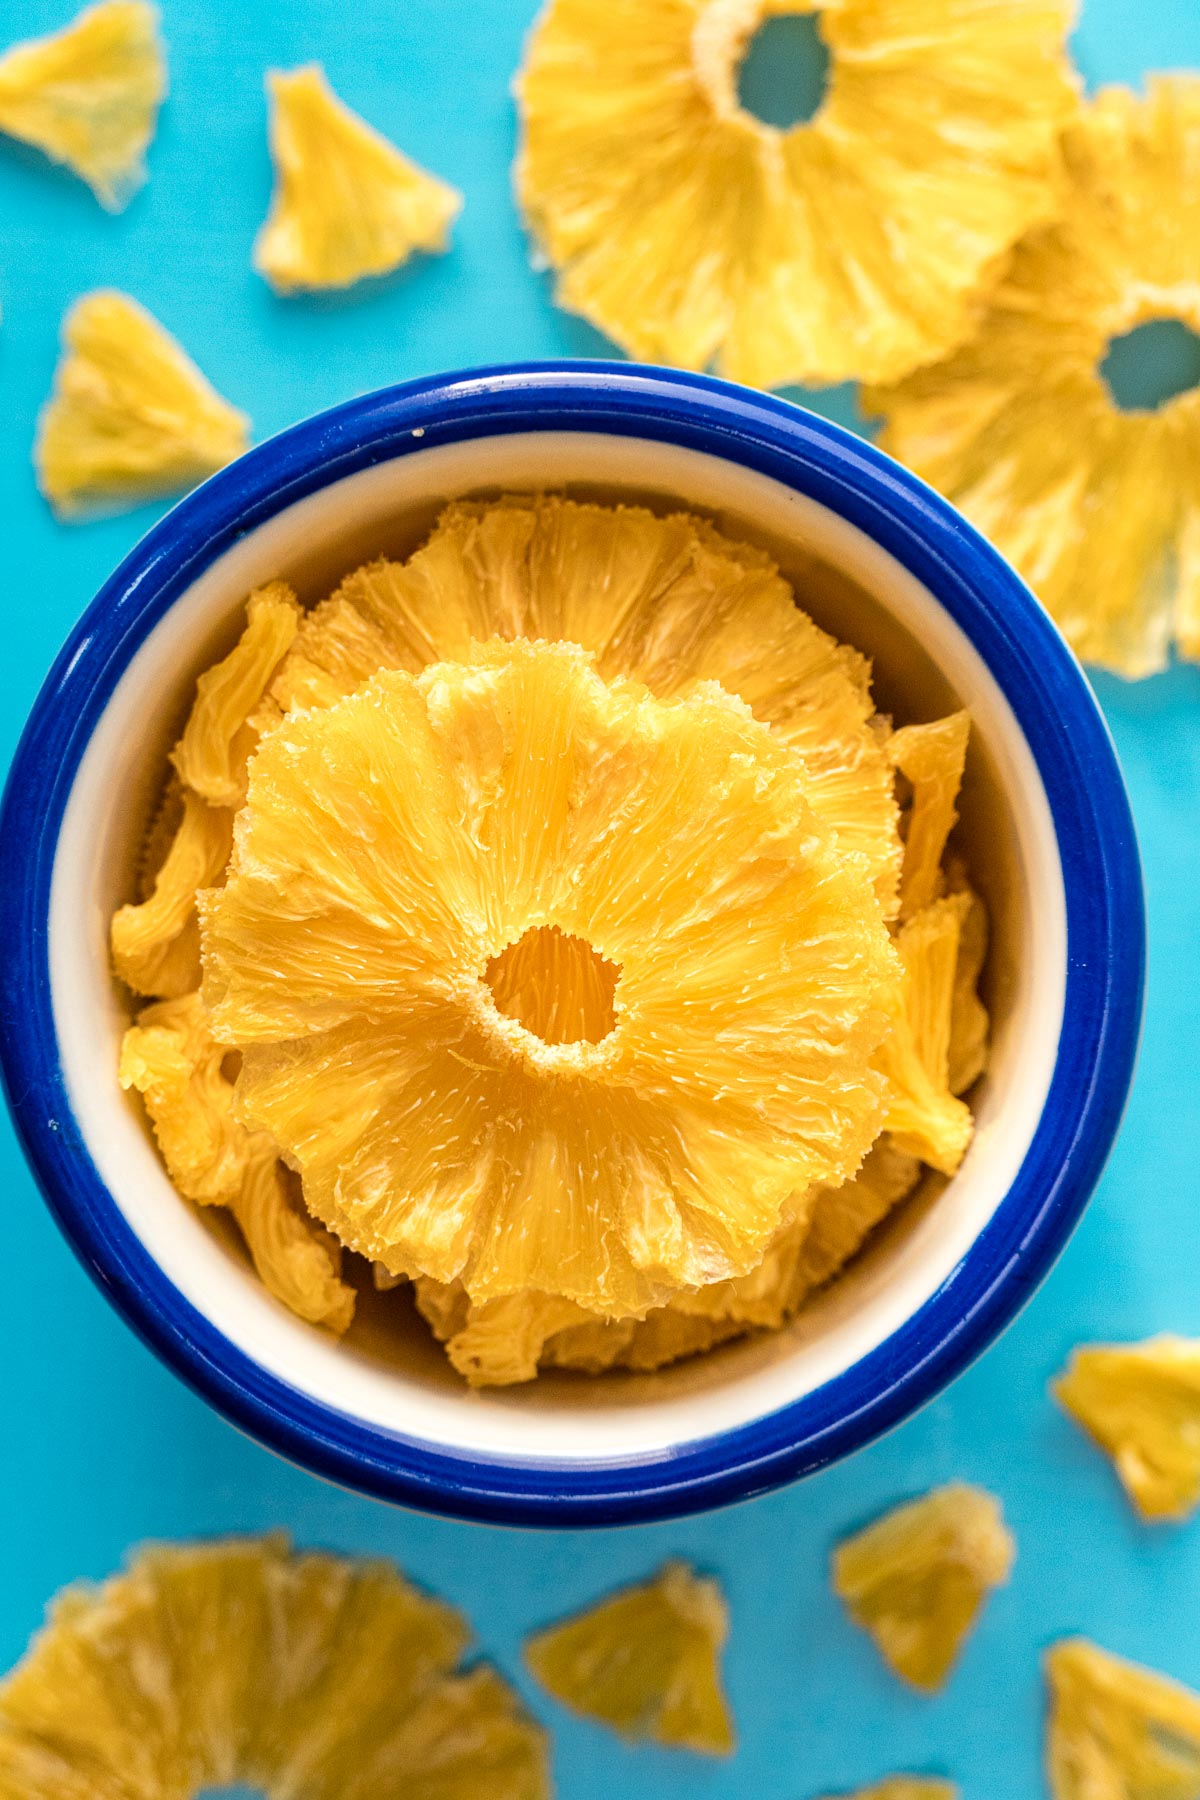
(388, 1372)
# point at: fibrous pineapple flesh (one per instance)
(1117, 1731)
(1141, 1403)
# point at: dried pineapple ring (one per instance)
(156, 942)
(1118, 1730)
(850, 247)
(668, 601)
(903, 1787)
(131, 417)
(916, 1578)
(645, 1662)
(171, 1058)
(347, 203)
(505, 796)
(89, 95)
(211, 756)
(1098, 508)
(923, 1116)
(1141, 1403)
(207, 1665)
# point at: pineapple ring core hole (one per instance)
(556, 986)
(784, 73)
(1151, 365)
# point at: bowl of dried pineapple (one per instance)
(574, 943)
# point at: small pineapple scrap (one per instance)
(156, 941)
(237, 1661)
(646, 1662)
(848, 247)
(668, 601)
(131, 417)
(172, 1060)
(932, 759)
(438, 1134)
(1141, 1403)
(217, 741)
(1117, 1731)
(923, 1115)
(1099, 508)
(89, 95)
(347, 203)
(903, 1787)
(916, 1578)
(970, 1024)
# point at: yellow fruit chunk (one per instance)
(1099, 508)
(849, 247)
(237, 1661)
(916, 1578)
(172, 1060)
(394, 845)
(843, 1218)
(1118, 1731)
(131, 417)
(970, 1025)
(346, 202)
(668, 601)
(156, 941)
(1141, 1403)
(923, 1116)
(932, 759)
(89, 95)
(903, 1787)
(217, 741)
(646, 1662)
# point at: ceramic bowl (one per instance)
(878, 559)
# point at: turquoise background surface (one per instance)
(100, 1447)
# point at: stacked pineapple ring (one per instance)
(569, 944)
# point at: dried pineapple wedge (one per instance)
(156, 941)
(843, 1218)
(1141, 1403)
(206, 1665)
(645, 1662)
(1099, 508)
(850, 247)
(923, 1116)
(131, 417)
(669, 601)
(89, 95)
(172, 1060)
(346, 203)
(932, 759)
(218, 739)
(515, 793)
(1117, 1731)
(903, 1787)
(916, 1578)
(970, 1024)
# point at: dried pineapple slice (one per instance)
(668, 601)
(1098, 508)
(1141, 1403)
(850, 247)
(131, 417)
(211, 756)
(970, 1024)
(1117, 1731)
(645, 1662)
(156, 942)
(438, 1135)
(171, 1058)
(89, 95)
(916, 1578)
(932, 758)
(346, 203)
(843, 1218)
(205, 1665)
(903, 1787)
(923, 1116)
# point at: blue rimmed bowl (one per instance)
(877, 558)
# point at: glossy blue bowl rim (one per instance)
(1105, 934)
